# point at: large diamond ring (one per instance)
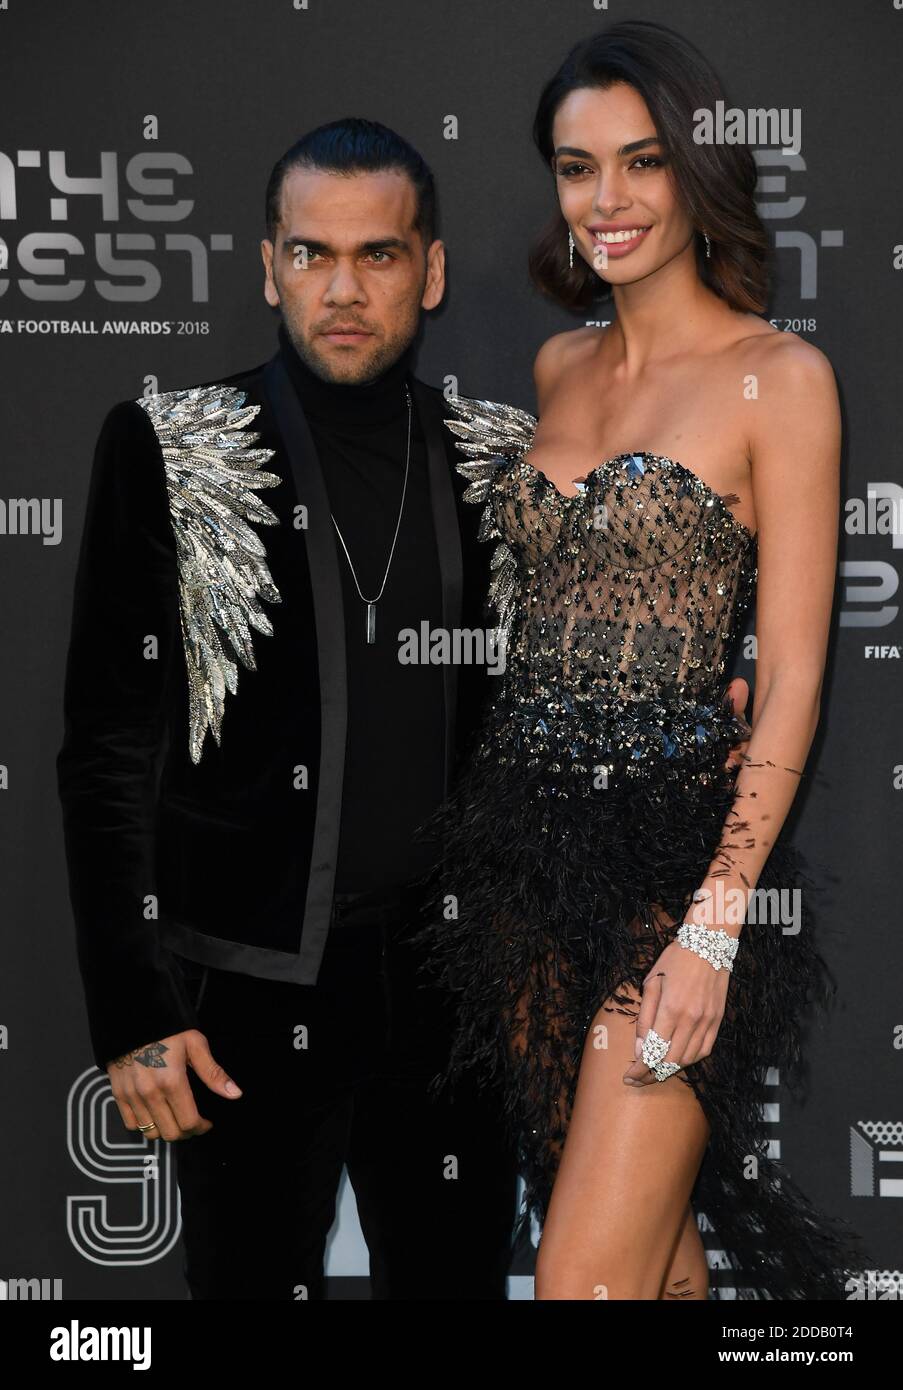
(654, 1049)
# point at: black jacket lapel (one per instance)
(326, 586)
(448, 545)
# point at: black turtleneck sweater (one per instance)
(394, 752)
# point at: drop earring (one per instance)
(570, 249)
(708, 247)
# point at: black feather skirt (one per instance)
(568, 856)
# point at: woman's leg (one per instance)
(688, 1270)
(616, 1226)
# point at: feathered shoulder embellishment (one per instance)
(490, 434)
(211, 473)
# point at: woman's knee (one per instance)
(608, 1275)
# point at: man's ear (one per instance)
(270, 292)
(434, 289)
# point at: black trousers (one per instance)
(336, 1074)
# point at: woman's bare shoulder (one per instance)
(790, 367)
(798, 407)
(562, 352)
(780, 350)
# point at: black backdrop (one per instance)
(137, 141)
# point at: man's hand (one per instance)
(739, 693)
(151, 1086)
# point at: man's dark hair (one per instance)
(355, 146)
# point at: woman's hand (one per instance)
(683, 1000)
(738, 691)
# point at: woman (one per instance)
(597, 847)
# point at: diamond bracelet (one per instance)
(715, 946)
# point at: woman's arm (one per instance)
(795, 452)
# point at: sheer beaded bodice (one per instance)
(616, 608)
(634, 587)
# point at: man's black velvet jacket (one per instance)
(224, 860)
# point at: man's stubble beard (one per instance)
(383, 356)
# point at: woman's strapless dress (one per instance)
(593, 803)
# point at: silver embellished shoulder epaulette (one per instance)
(211, 471)
(489, 434)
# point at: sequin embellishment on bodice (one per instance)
(622, 600)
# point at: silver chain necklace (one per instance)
(372, 602)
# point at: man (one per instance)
(246, 761)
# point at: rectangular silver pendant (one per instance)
(371, 622)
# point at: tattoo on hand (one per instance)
(150, 1055)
